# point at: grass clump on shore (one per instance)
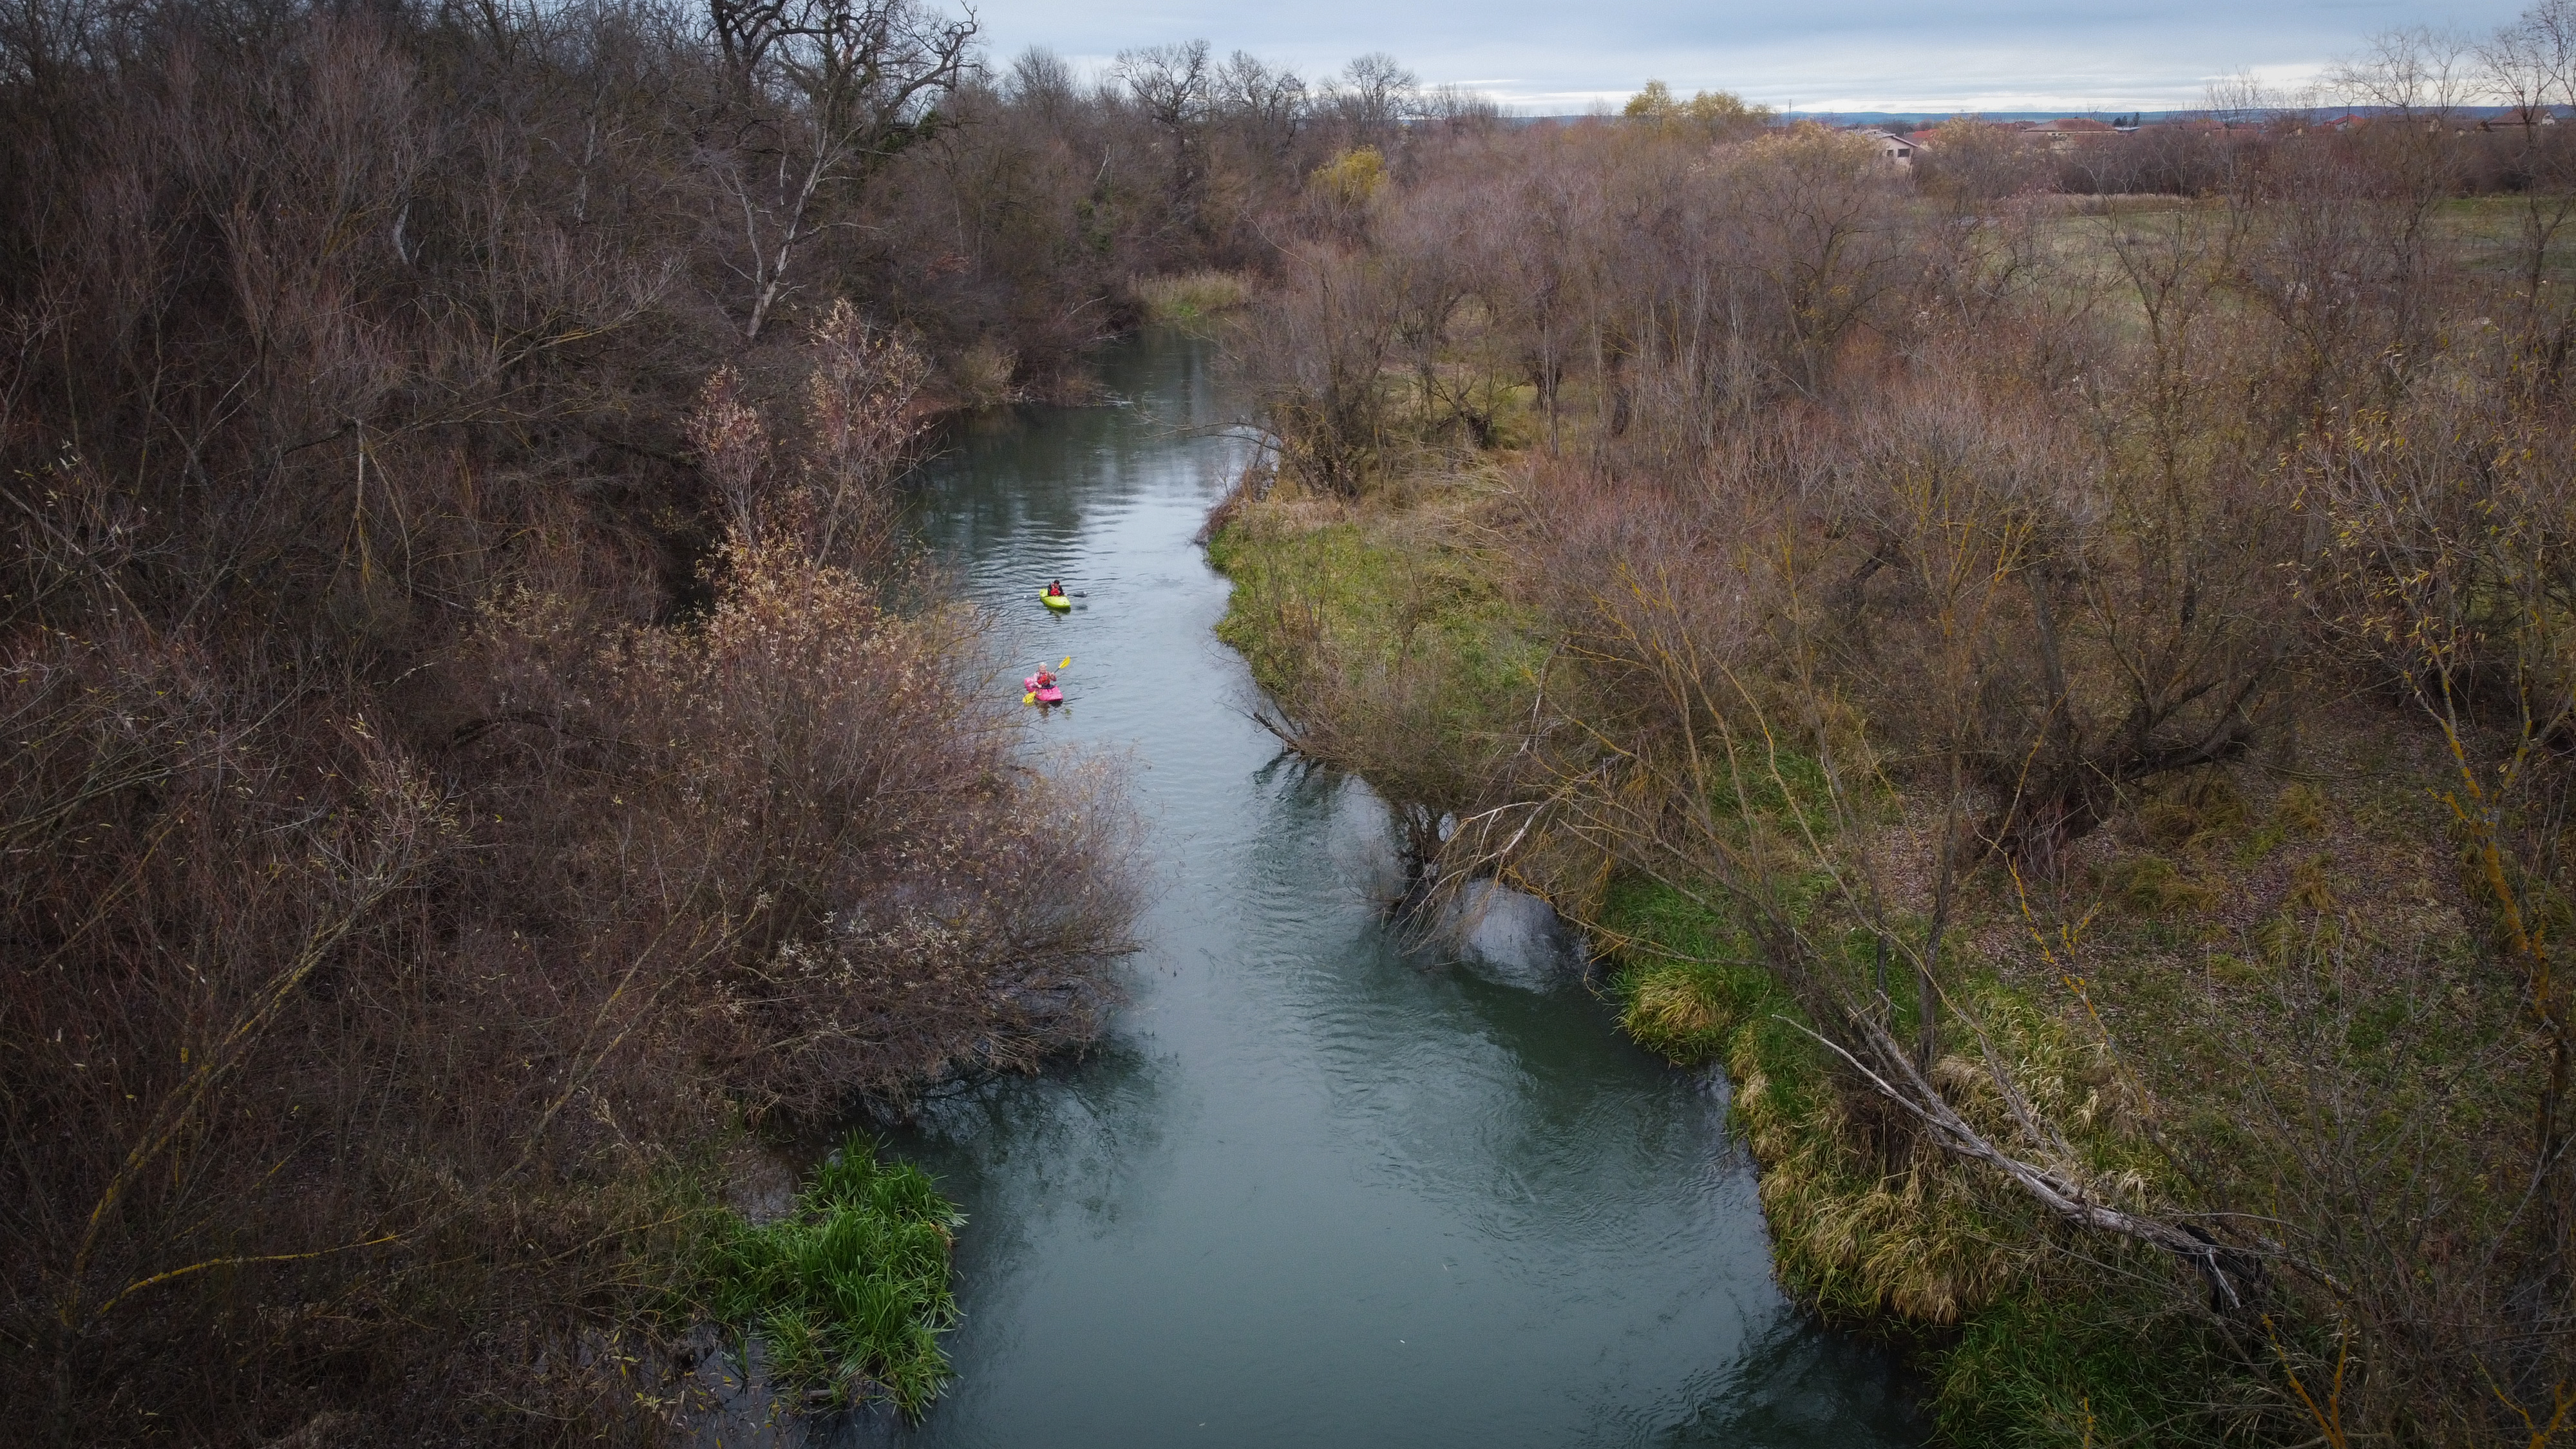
(1878, 1231)
(849, 1291)
(1189, 298)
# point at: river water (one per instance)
(1313, 1188)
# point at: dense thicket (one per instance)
(2070, 701)
(474, 735)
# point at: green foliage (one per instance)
(1351, 179)
(849, 1291)
(1689, 982)
(1395, 654)
(2037, 1371)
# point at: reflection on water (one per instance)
(1313, 1189)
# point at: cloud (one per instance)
(1861, 55)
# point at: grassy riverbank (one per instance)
(1384, 631)
(2068, 702)
(1324, 601)
(2172, 1005)
(2084, 751)
(2017, 1346)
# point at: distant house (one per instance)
(1894, 149)
(1919, 140)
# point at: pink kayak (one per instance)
(1049, 695)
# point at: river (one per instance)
(1313, 1188)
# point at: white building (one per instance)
(1892, 148)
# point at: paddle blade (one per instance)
(1068, 660)
(1029, 698)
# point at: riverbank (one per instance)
(2170, 1009)
(2072, 708)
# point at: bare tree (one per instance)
(1042, 83)
(1817, 239)
(2530, 65)
(1268, 103)
(830, 92)
(1332, 321)
(2418, 79)
(2414, 73)
(1976, 164)
(1173, 86)
(1373, 96)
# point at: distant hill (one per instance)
(1915, 120)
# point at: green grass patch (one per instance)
(2075, 1370)
(1687, 980)
(1376, 597)
(848, 1292)
(1390, 650)
(1187, 299)
(2489, 232)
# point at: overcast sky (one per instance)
(1849, 55)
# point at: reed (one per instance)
(1190, 298)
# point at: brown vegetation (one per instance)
(2022, 641)
(475, 736)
